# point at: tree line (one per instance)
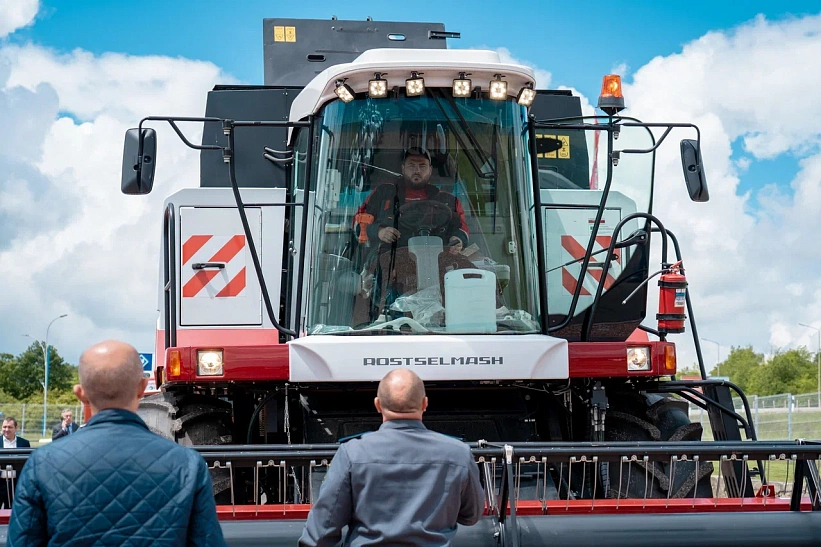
(793, 371)
(22, 376)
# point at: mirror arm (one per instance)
(190, 144)
(647, 150)
(668, 126)
(172, 122)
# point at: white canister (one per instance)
(470, 301)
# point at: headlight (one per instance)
(638, 358)
(209, 362)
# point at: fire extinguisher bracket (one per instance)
(672, 298)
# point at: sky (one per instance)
(75, 74)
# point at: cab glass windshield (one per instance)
(422, 218)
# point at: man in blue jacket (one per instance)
(114, 482)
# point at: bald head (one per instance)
(111, 376)
(401, 391)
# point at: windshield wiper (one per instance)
(483, 156)
(370, 166)
(471, 137)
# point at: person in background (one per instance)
(10, 437)
(114, 482)
(9, 477)
(66, 427)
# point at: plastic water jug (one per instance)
(470, 301)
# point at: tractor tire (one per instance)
(651, 417)
(192, 420)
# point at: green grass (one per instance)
(773, 425)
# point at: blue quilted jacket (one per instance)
(113, 482)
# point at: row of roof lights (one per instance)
(415, 87)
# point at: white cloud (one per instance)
(543, 77)
(71, 242)
(15, 14)
(752, 272)
(622, 69)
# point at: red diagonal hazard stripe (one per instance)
(196, 283)
(604, 242)
(609, 280)
(569, 283)
(192, 245)
(574, 248)
(234, 287)
(229, 250)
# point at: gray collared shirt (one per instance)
(403, 484)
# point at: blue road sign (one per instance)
(147, 359)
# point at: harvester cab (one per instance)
(382, 202)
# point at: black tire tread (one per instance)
(639, 417)
(191, 420)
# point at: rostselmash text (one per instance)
(430, 361)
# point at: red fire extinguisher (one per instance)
(672, 299)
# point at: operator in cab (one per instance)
(395, 212)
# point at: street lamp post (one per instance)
(45, 386)
(817, 357)
(718, 354)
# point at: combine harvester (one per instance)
(281, 308)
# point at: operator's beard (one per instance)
(417, 185)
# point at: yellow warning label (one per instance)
(290, 34)
(564, 151)
(279, 34)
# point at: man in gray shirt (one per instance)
(402, 484)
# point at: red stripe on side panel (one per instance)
(196, 283)
(229, 250)
(569, 283)
(234, 287)
(192, 245)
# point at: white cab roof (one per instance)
(440, 67)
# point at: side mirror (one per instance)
(694, 170)
(138, 161)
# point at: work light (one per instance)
(344, 91)
(415, 85)
(498, 89)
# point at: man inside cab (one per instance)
(379, 220)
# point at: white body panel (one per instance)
(212, 211)
(440, 67)
(433, 357)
